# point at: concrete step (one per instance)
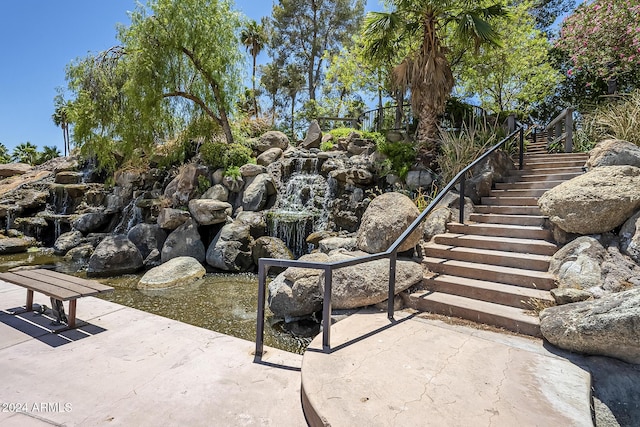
(489, 256)
(552, 163)
(558, 156)
(501, 230)
(531, 220)
(527, 176)
(491, 273)
(510, 318)
(510, 201)
(519, 192)
(510, 244)
(546, 170)
(498, 293)
(532, 185)
(508, 210)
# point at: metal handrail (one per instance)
(391, 253)
(554, 129)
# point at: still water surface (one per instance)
(225, 303)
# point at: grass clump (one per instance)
(460, 148)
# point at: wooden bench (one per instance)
(59, 286)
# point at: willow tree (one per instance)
(178, 67)
(421, 28)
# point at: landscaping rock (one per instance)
(182, 188)
(385, 219)
(418, 179)
(608, 326)
(332, 243)
(269, 156)
(91, 222)
(596, 202)
(11, 169)
(80, 253)
(569, 295)
(257, 193)
(231, 249)
(272, 139)
(175, 272)
(67, 241)
(612, 152)
(495, 168)
(114, 256)
(14, 245)
(249, 170)
(184, 241)
(270, 247)
(255, 221)
(68, 177)
(217, 192)
(313, 138)
(147, 237)
(630, 237)
(171, 219)
(209, 211)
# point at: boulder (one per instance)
(418, 179)
(495, 168)
(332, 243)
(255, 221)
(114, 256)
(234, 184)
(315, 237)
(209, 211)
(11, 169)
(436, 222)
(607, 326)
(231, 249)
(175, 272)
(182, 188)
(294, 293)
(68, 177)
(80, 253)
(272, 139)
(184, 241)
(90, 222)
(256, 195)
(313, 138)
(249, 170)
(368, 283)
(14, 245)
(171, 219)
(269, 156)
(385, 219)
(596, 202)
(614, 152)
(569, 295)
(217, 192)
(630, 237)
(270, 247)
(67, 241)
(147, 237)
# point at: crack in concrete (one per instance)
(495, 412)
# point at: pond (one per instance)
(225, 303)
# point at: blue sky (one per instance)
(40, 37)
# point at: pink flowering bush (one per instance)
(602, 38)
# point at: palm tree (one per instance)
(60, 118)
(5, 157)
(253, 38)
(417, 30)
(25, 153)
(48, 153)
(293, 83)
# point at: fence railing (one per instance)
(392, 254)
(561, 128)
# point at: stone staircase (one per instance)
(493, 269)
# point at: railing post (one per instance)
(462, 180)
(262, 275)
(558, 132)
(568, 127)
(392, 284)
(521, 149)
(534, 134)
(326, 310)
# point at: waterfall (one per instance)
(131, 215)
(10, 219)
(57, 228)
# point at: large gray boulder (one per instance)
(209, 211)
(175, 272)
(90, 222)
(171, 219)
(184, 241)
(217, 192)
(596, 202)
(630, 237)
(294, 293)
(612, 152)
(182, 188)
(147, 237)
(114, 256)
(385, 219)
(270, 247)
(231, 249)
(495, 168)
(272, 139)
(593, 265)
(269, 156)
(608, 326)
(256, 222)
(257, 193)
(314, 136)
(14, 245)
(67, 241)
(368, 283)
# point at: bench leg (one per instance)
(29, 300)
(71, 319)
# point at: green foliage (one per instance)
(48, 153)
(219, 155)
(400, 156)
(233, 172)
(326, 146)
(344, 132)
(5, 157)
(237, 155)
(618, 119)
(460, 148)
(203, 184)
(26, 153)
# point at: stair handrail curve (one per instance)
(554, 129)
(392, 254)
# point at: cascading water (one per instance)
(131, 215)
(301, 207)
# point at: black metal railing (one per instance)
(392, 253)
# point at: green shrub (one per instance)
(203, 184)
(400, 157)
(326, 146)
(459, 149)
(233, 172)
(214, 154)
(237, 155)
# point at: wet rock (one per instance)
(184, 241)
(80, 253)
(171, 219)
(66, 242)
(209, 211)
(14, 245)
(607, 326)
(114, 256)
(175, 272)
(231, 249)
(147, 237)
(385, 219)
(68, 177)
(91, 222)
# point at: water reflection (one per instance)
(225, 303)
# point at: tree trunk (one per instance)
(226, 127)
(253, 83)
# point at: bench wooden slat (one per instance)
(39, 286)
(62, 283)
(80, 281)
